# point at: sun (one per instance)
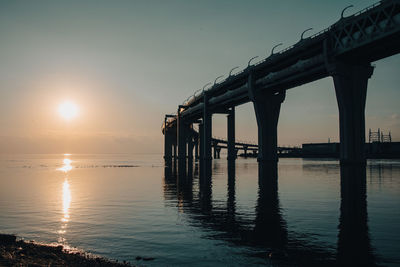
(68, 110)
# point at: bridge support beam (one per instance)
(231, 134)
(218, 152)
(196, 148)
(168, 142)
(190, 144)
(201, 147)
(181, 141)
(175, 157)
(215, 150)
(267, 109)
(267, 106)
(207, 136)
(351, 83)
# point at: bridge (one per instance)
(343, 51)
(249, 149)
(219, 143)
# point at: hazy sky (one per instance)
(127, 63)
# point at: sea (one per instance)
(129, 207)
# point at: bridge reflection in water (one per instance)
(354, 246)
(266, 230)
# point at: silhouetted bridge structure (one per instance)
(343, 51)
(249, 149)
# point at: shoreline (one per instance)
(17, 252)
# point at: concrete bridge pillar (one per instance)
(175, 157)
(218, 152)
(215, 148)
(168, 147)
(201, 147)
(190, 144)
(231, 134)
(351, 83)
(181, 141)
(267, 106)
(207, 135)
(196, 148)
(201, 141)
(168, 142)
(245, 151)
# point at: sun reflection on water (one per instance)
(66, 199)
(67, 166)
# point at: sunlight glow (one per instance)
(66, 200)
(68, 110)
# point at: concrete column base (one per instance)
(351, 83)
(267, 107)
(231, 135)
(207, 137)
(182, 133)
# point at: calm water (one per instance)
(123, 206)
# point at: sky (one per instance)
(127, 63)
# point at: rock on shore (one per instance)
(15, 252)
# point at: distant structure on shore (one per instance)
(379, 137)
(379, 145)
